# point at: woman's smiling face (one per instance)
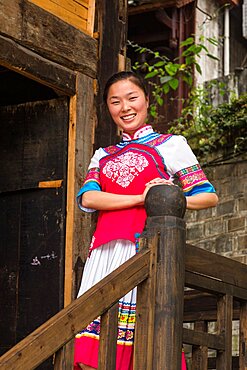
(127, 104)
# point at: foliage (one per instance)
(170, 73)
(209, 128)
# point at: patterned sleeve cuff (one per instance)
(90, 183)
(194, 180)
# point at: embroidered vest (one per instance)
(126, 171)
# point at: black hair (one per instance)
(124, 75)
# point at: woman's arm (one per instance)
(103, 201)
(100, 200)
(201, 201)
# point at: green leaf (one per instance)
(213, 41)
(189, 60)
(198, 68)
(188, 79)
(212, 56)
(165, 79)
(159, 64)
(171, 69)
(160, 101)
(142, 50)
(174, 83)
(188, 41)
(166, 88)
(152, 74)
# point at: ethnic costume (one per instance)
(125, 168)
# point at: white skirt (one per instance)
(103, 260)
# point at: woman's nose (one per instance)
(125, 106)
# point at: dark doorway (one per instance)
(33, 151)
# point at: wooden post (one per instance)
(224, 324)
(108, 339)
(243, 337)
(200, 353)
(165, 206)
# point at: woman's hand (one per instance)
(154, 182)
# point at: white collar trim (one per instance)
(143, 131)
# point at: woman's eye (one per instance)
(115, 102)
(133, 98)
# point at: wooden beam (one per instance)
(35, 67)
(49, 36)
(70, 209)
(90, 17)
(197, 338)
(212, 285)
(216, 266)
(83, 223)
(157, 5)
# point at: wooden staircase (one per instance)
(161, 270)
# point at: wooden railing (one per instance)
(160, 270)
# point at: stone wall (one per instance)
(223, 229)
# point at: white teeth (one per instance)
(128, 117)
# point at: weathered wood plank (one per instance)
(145, 311)
(208, 307)
(212, 363)
(169, 281)
(200, 353)
(112, 31)
(48, 35)
(32, 65)
(90, 17)
(157, 5)
(108, 339)
(197, 338)
(217, 266)
(224, 327)
(243, 337)
(83, 223)
(70, 12)
(211, 285)
(49, 337)
(71, 202)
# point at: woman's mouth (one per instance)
(128, 117)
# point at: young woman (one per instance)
(117, 182)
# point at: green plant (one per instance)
(170, 73)
(209, 128)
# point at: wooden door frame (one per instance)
(80, 89)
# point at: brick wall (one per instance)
(223, 229)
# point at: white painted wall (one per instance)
(209, 28)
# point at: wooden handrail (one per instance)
(217, 266)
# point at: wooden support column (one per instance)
(112, 28)
(144, 330)
(224, 323)
(200, 353)
(108, 339)
(243, 337)
(165, 206)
